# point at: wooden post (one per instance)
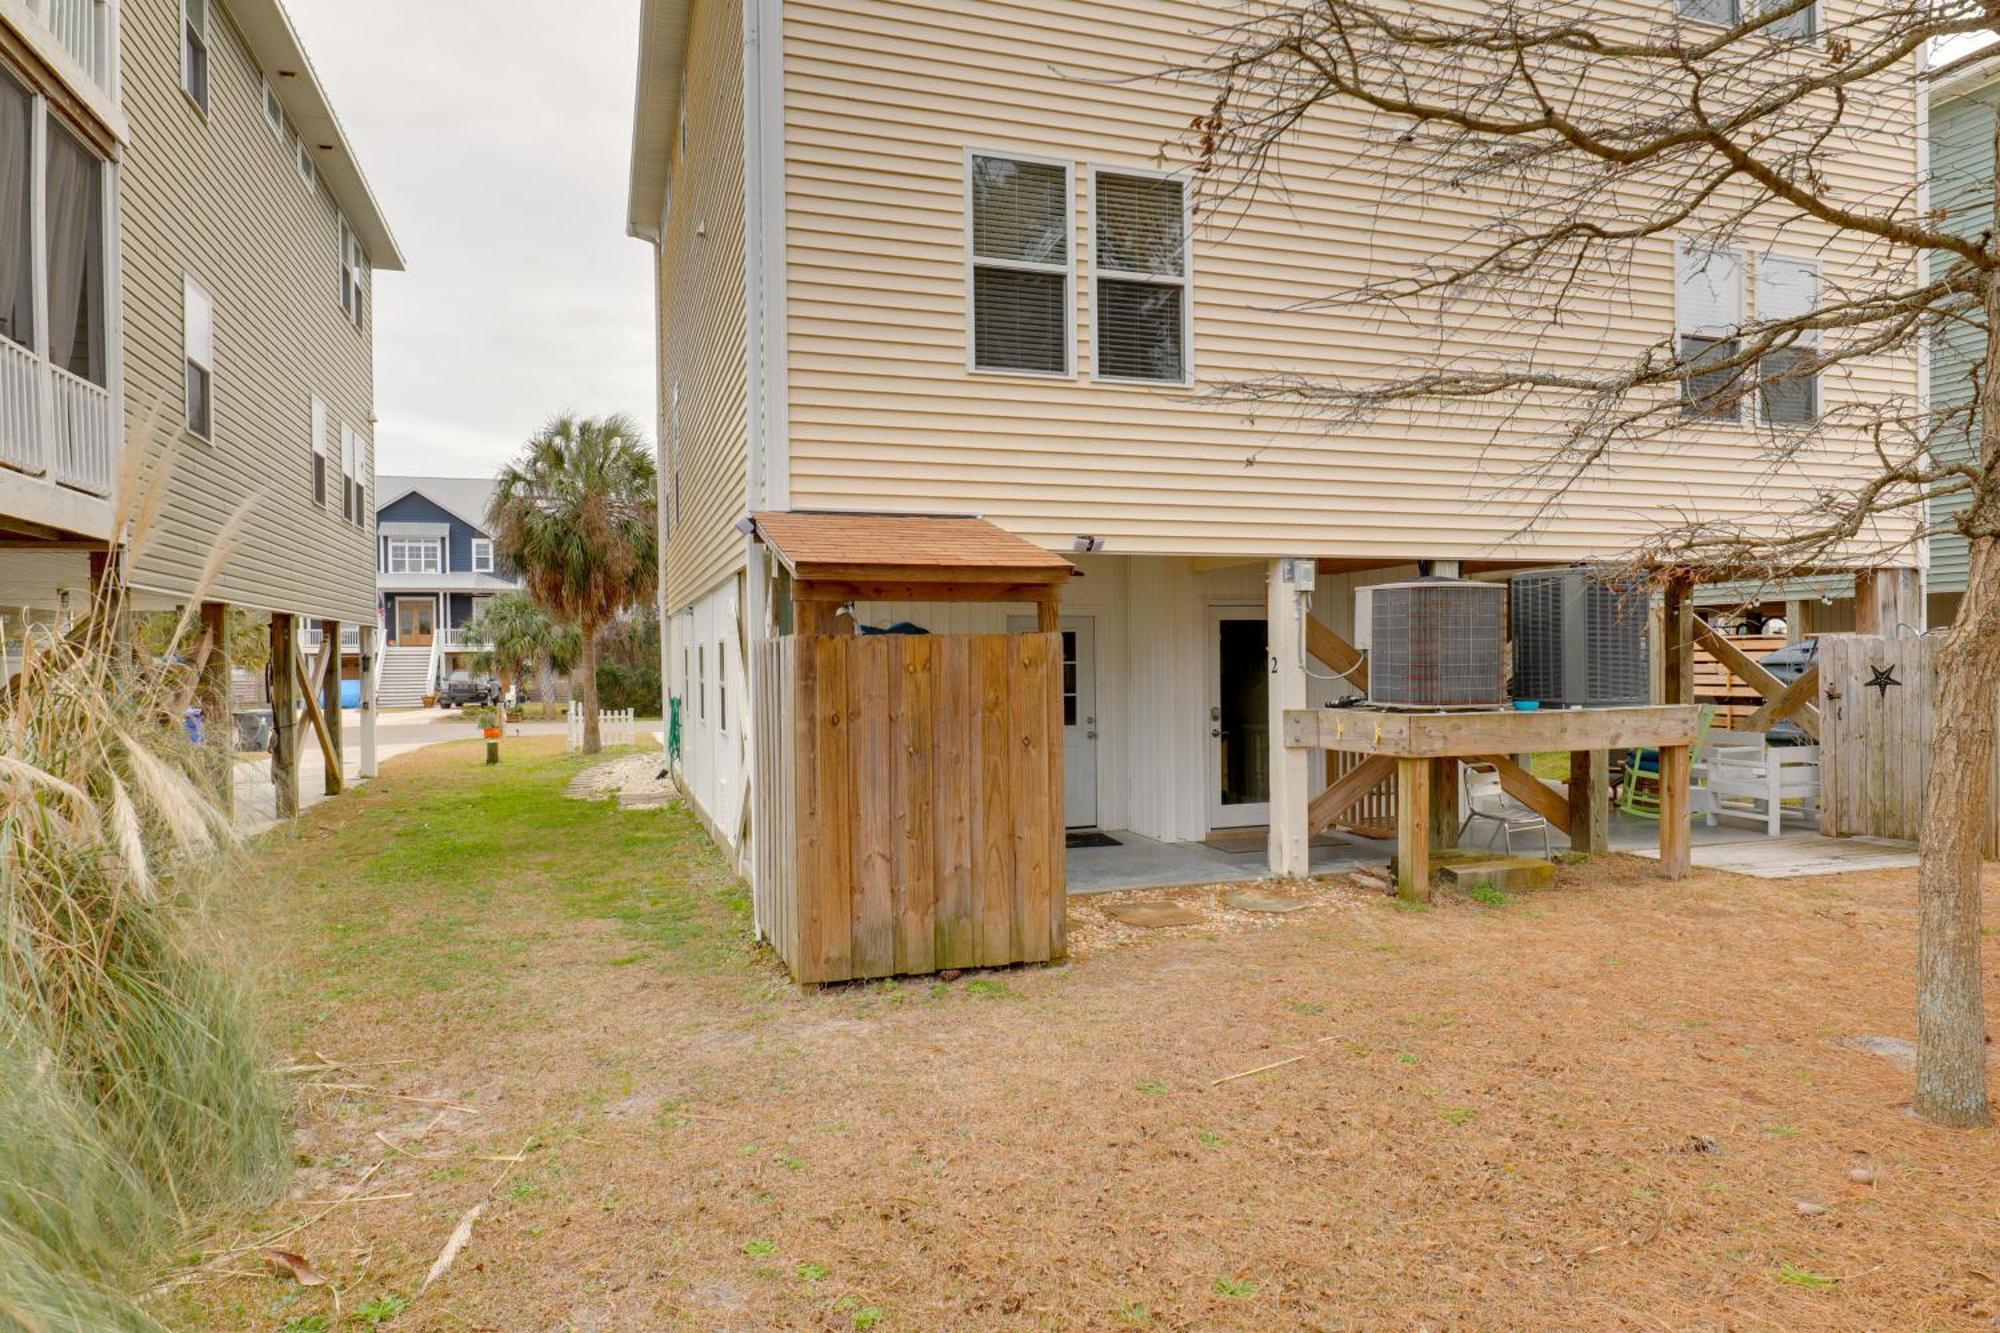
(1289, 847)
(1048, 612)
(1888, 600)
(108, 603)
(334, 760)
(1676, 851)
(371, 653)
(1678, 640)
(1413, 830)
(1444, 804)
(1590, 801)
(285, 713)
(217, 717)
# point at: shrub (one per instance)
(636, 687)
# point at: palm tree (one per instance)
(522, 637)
(575, 514)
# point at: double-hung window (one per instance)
(199, 347)
(1020, 271)
(306, 172)
(274, 111)
(350, 451)
(1788, 289)
(319, 431)
(482, 555)
(194, 51)
(415, 555)
(353, 270)
(1709, 284)
(1141, 272)
(1801, 25)
(360, 485)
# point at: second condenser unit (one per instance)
(1580, 638)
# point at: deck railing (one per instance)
(458, 641)
(314, 636)
(86, 453)
(20, 408)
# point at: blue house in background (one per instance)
(435, 564)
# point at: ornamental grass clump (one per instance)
(133, 1094)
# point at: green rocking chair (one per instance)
(1639, 796)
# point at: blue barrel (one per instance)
(350, 694)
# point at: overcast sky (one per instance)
(496, 135)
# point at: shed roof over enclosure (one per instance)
(924, 547)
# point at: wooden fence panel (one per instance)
(917, 823)
(1877, 708)
(1734, 698)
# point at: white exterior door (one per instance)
(1239, 718)
(1079, 708)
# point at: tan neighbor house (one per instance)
(203, 243)
(930, 259)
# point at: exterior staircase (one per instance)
(406, 678)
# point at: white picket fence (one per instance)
(615, 726)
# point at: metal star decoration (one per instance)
(1881, 678)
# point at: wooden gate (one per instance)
(1876, 715)
(910, 802)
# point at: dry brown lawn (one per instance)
(1623, 1103)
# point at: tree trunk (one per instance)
(593, 740)
(506, 685)
(545, 685)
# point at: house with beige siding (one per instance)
(916, 257)
(192, 248)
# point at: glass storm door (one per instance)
(1239, 720)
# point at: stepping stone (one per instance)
(1257, 900)
(1153, 915)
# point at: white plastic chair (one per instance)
(1487, 800)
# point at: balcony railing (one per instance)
(83, 28)
(315, 635)
(458, 641)
(54, 424)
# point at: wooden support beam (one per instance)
(1048, 612)
(918, 592)
(1590, 802)
(1795, 702)
(313, 713)
(1347, 792)
(1678, 640)
(1753, 674)
(284, 714)
(334, 759)
(1444, 804)
(1888, 600)
(1529, 790)
(1413, 830)
(1676, 835)
(371, 665)
(1288, 850)
(218, 718)
(1337, 653)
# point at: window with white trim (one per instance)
(306, 172)
(353, 263)
(349, 460)
(1141, 272)
(1802, 26)
(1709, 301)
(194, 51)
(721, 690)
(701, 682)
(198, 344)
(1020, 302)
(1788, 390)
(362, 471)
(319, 432)
(415, 555)
(482, 555)
(274, 112)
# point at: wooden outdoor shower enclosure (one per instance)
(908, 788)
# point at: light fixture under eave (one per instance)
(1085, 543)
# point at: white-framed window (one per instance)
(1708, 284)
(198, 311)
(674, 456)
(353, 263)
(319, 434)
(1802, 26)
(721, 690)
(1020, 268)
(304, 156)
(274, 112)
(1788, 288)
(415, 555)
(482, 555)
(350, 458)
(194, 51)
(701, 682)
(362, 471)
(73, 223)
(1143, 312)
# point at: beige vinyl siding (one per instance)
(702, 304)
(220, 198)
(884, 97)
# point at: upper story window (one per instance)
(1141, 270)
(274, 113)
(360, 485)
(1799, 27)
(199, 346)
(306, 172)
(194, 51)
(319, 429)
(353, 274)
(415, 555)
(482, 555)
(1788, 288)
(1020, 267)
(1709, 301)
(350, 468)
